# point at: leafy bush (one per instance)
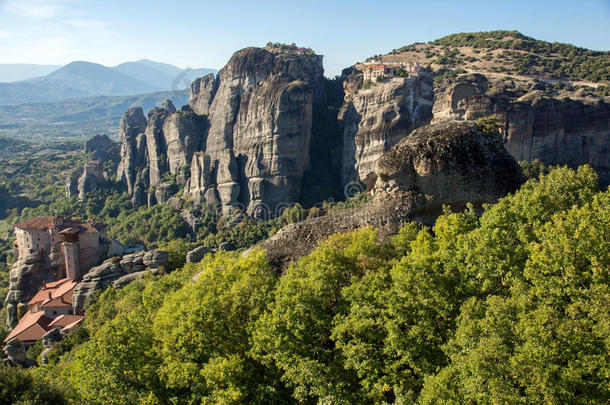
(18, 386)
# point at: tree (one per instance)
(546, 341)
(204, 331)
(296, 335)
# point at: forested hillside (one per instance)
(508, 306)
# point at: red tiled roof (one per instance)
(61, 224)
(36, 223)
(31, 327)
(71, 326)
(71, 230)
(66, 320)
(57, 293)
(374, 67)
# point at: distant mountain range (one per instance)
(85, 79)
(14, 72)
(77, 117)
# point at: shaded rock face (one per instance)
(573, 130)
(100, 147)
(450, 163)
(197, 254)
(16, 354)
(242, 141)
(90, 178)
(30, 272)
(376, 118)
(117, 272)
(133, 146)
(203, 91)
(446, 163)
(27, 275)
(71, 186)
(48, 340)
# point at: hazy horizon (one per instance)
(193, 34)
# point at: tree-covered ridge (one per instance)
(511, 52)
(507, 306)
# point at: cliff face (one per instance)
(376, 118)
(571, 129)
(131, 136)
(450, 163)
(241, 142)
(245, 137)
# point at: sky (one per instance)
(206, 33)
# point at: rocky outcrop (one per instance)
(117, 272)
(376, 118)
(197, 254)
(243, 139)
(48, 340)
(82, 182)
(100, 147)
(26, 276)
(133, 146)
(71, 186)
(203, 91)
(571, 128)
(91, 179)
(450, 163)
(16, 355)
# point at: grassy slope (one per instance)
(508, 52)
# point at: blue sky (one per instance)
(205, 33)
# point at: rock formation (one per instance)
(197, 254)
(117, 272)
(376, 118)
(450, 163)
(101, 147)
(48, 340)
(16, 355)
(243, 139)
(90, 178)
(133, 146)
(71, 186)
(27, 275)
(572, 129)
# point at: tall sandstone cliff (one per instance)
(242, 140)
(572, 127)
(254, 136)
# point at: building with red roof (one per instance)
(78, 246)
(50, 308)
